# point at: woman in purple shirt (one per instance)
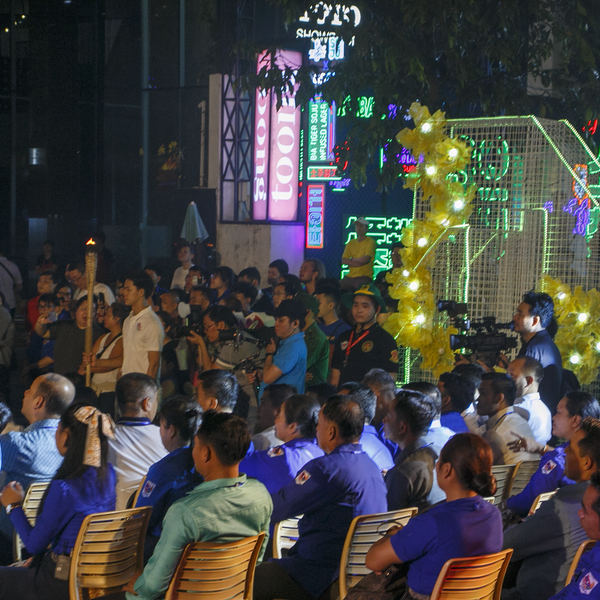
(464, 525)
(84, 484)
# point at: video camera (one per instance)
(486, 338)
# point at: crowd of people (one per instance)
(229, 407)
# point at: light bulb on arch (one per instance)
(426, 127)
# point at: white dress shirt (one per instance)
(499, 431)
(540, 417)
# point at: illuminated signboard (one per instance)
(262, 120)
(365, 107)
(322, 173)
(580, 205)
(321, 126)
(385, 231)
(314, 216)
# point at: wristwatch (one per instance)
(11, 507)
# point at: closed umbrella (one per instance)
(193, 228)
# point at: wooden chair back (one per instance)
(503, 474)
(540, 500)
(216, 571)
(138, 492)
(475, 578)
(108, 551)
(521, 476)
(364, 531)
(285, 535)
(31, 504)
(583, 548)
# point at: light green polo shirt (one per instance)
(223, 510)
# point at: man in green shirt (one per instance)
(317, 344)
(226, 507)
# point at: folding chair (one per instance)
(521, 476)
(540, 500)
(31, 504)
(503, 474)
(285, 535)
(583, 548)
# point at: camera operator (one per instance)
(231, 354)
(531, 321)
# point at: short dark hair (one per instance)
(379, 379)
(226, 274)
(415, 409)
(331, 292)
(51, 274)
(293, 310)
(132, 388)
(582, 404)
(58, 393)
(142, 281)
(279, 393)
(226, 434)
(251, 273)
(205, 291)
(304, 411)
(470, 371)
(221, 385)
(218, 313)
(291, 288)
(532, 368)
(502, 384)
(322, 391)
(540, 305)
(154, 267)
(364, 396)
(595, 483)
(51, 298)
(460, 390)
(120, 311)
(84, 299)
(245, 288)
(317, 266)
(76, 265)
(590, 444)
(281, 266)
(347, 414)
(429, 390)
(184, 414)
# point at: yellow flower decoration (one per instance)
(438, 356)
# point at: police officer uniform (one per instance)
(279, 465)
(329, 491)
(549, 476)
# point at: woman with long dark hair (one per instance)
(84, 484)
(462, 526)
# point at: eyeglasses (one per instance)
(74, 279)
(64, 294)
(44, 306)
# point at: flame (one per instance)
(90, 242)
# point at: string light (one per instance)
(445, 222)
(430, 170)
(598, 346)
(426, 127)
(582, 317)
(574, 359)
(422, 242)
(405, 273)
(420, 319)
(458, 204)
(453, 153)
(562, 296)
(414, 286)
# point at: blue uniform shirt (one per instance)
(391, 446)
(453, 420)
(169, 479)
(461, 528)
(330, 491)
(290, 359)
(549, 476)
(585, 583)
(376, 450)
(279, 465)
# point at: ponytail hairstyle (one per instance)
(184, 414)
(304, 411)
(471, 458)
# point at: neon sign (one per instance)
(321, 127)
(365, 107)
(332, 15)
(314, 216)
(262, 120)
(579, 206)
(322, 173)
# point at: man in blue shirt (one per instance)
(286, 363)
(31, 455)
(457, 395)
(330, 491)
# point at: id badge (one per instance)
(63, 565)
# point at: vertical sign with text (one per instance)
(262, 121)
(315, 207)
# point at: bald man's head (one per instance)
(48, 397)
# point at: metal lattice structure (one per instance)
(536, 212)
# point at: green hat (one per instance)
(309, 302)
(364, 290)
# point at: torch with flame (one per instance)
(91, 265)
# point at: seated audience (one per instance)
(217, 390)
(173, 476)
(412, 480)
(571, 411)
(317, 346)
(330, 491)
(545, 543)
(462, 526)
(322, 392)
(226, 508)
(69, 337)
(527, 373)
(497, 394)
(270, 404)
(84, 484)
(30, 455)
(472, 372)
(137, 443)
(587, 573)
(457, 394)
(296, 426)
(369, 441)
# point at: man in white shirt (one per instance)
(143, 333)
(497, 394)
(137, 443)
(186, 257)
(527, 373)
(75, 275)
